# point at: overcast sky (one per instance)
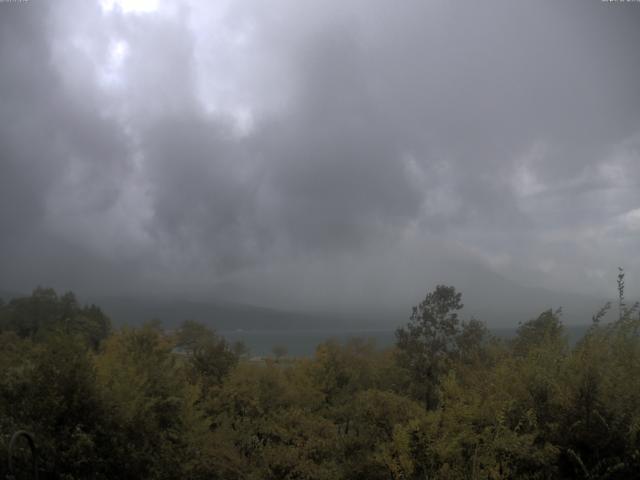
(320, 154)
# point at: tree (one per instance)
(429, 341)
(378, 437)
(624, 312)
(44, 313)
(533, 333)
(49, 389)
(157, 429)
(279, 352)
(272, 417)
(210, 356)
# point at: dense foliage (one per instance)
(448, 402)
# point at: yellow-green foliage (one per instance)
(143, 403)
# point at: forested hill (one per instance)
(490, 297)
(218, 315)
(502, 305)
(498, 301)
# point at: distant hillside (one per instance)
(6, 295)
(488, 296)
(501, 302)
(218, 315)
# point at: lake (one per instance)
(304, 342)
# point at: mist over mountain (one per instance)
(487, 296)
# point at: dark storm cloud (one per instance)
(56, 147)
(24, 88)
(331, 152)
(336, 168)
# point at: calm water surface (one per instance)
(304, 342)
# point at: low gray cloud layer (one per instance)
(320, 155)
